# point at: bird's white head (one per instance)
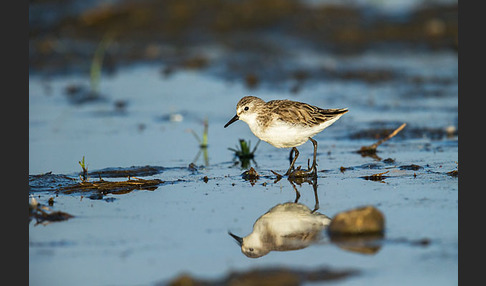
(246, 110)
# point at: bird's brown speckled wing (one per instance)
(298, 112)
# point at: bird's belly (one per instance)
(282, 136)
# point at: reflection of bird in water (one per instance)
(288, 226)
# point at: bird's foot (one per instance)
(299, 173)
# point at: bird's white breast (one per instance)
(282, 134)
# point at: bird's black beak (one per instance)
(237, 238)
(235, 118)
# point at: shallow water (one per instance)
(146, 237)
(144, 115)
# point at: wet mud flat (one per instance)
(141, 90)
(178, 232)
(177, 229)
(232, 39)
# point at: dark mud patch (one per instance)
(366, 75)
(49, 182)
(269, 277)
(79, 94)
(376, 177)
(411, 167)
(109, 187)
(96, 189)
(134, 171)
(408, 133)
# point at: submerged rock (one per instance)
(364, 220)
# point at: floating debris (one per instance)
(376, 177)
(251, 175)
(343, 169)
(192, 167)
(453, 173)
(371, 150)
(105, 187)
(411, 167)
(43, 214)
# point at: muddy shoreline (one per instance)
(177, 35)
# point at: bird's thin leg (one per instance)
(291, 155)
(314, 162)
(293, 161)
(311, 171)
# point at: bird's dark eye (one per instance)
(246, 108)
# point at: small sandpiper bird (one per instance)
(286, 123)
(288, 226)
